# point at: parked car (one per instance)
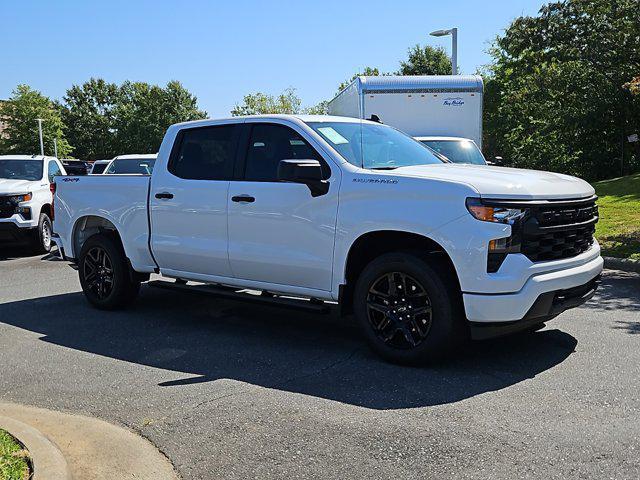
(456, 149)
(26, 199)
(338, 209)
(76, 167)
(99, 166)
(420, 105)
(135, 164)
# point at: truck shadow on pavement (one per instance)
(620, 291)
(318, 355)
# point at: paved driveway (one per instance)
(233, 390)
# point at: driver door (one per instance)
(278, 232)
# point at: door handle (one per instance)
(243, 198)
(164, 195)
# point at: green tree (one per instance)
(144, 112)
(88, 112)
(21, 133)
(426, 60)
(555, 96)
(261, 103)
(321, 108)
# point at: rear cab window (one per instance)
(205, 153)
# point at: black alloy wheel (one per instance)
(399, 310)
(98, 272)
(408, 306)
(106, 276)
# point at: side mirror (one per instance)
(308, 172)
(497, 161)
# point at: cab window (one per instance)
(53, 170)
(206, 153)
(271, 143)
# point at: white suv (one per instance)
(26, 199)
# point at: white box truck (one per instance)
(421, 105)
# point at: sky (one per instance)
(222, 50)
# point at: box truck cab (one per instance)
(421, 105)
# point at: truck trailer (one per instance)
(420, 105)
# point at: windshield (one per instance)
(374, 146)
(458, 151)
(98, 167)
(142, 166)
(21, 169)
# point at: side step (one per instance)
(230, 293)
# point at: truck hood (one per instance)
(503, 182)
(9, 186)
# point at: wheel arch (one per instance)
(89, 225)
(372, 244)
(46, 208)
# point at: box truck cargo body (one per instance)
(421, 105)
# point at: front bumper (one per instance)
(12, 233)
(547, 306)
(511, 307)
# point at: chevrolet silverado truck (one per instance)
(320, 209)
(26, 199)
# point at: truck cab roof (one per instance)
(291, 117)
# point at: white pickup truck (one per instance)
(26, 197)
(336, 209)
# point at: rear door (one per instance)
(188, 201)
(278, 232)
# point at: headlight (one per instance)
(16, 199)
(488, 213)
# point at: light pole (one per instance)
(454, 46)
(40, 131)
(55, 147)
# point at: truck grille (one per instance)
(556, 230)
(7, 207)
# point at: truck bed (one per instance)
(122, 199)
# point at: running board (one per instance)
(230, 293)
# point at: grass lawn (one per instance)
(618, 230)
(13, 460)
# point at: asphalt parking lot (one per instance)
(234, 390)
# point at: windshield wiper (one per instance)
(382, 168)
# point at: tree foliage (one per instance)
(144, 112)
(261, 103)
(105, 119)
(89, 113)
(21, 133)
(426, 60)
(555, 97)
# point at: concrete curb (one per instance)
(623, 264)
(93, 449)
(47, 460)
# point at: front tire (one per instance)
(408, 313)
(42, 236)
(105, 274)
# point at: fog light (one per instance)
(25, 212)
(499, 244)
(498, 250)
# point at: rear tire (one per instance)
(42, 236)
(416, 320)
(105, 275)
